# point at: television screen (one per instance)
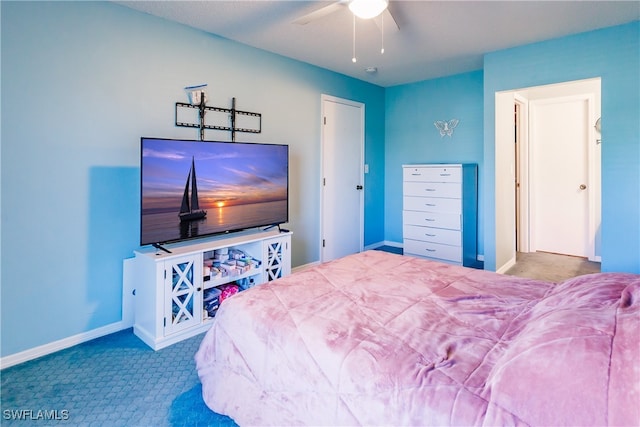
(191, 189)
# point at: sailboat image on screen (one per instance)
(190, 208)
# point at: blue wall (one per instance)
(614, 55)
(411, 136)
(81, 83)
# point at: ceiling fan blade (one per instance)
(390, 24)
(320, 13)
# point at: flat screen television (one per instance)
(191, 189)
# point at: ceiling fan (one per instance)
(373, 9)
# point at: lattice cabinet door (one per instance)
(183, 294)
(277, 257)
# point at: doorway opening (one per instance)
(548, 153)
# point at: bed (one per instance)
(382, 339)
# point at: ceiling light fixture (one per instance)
(353, 57)
(367, 9)
(382, 38)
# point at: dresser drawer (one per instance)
(432, 204)
(432, 219)
(433, 174)
(434, 235)
(432, 189)
(433, 250)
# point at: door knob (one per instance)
(583, 187)
(358, 187)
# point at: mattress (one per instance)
(383, 339)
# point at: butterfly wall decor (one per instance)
(446, 127)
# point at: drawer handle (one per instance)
(430, 204)
(430, 250)
(429, 235)
(416, 174)
(429, 219)
(429, 189)
(445, 174)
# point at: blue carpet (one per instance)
(115, 380)
(392, 249)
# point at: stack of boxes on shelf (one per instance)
(226, 263)
(211, 302)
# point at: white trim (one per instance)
(393, 244)
(507, 265)
(126, 322)
(374, 246)
(52, 347)
(304, 267)
(523, 173)
(594, 178)
(383, 243)
(504, 186)
(329, 98)
(588, 88)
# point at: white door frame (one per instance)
(324, 98)
(505, 201)
(523, 173)
(504, 256)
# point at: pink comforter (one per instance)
(382, 339)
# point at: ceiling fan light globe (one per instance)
(367, 9)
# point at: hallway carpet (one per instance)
(551, 267)
(114, 380)
(545, 266)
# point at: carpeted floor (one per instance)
(541, 265)
(551, 267)
(115, 380)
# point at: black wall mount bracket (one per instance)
(232, 117)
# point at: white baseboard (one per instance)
(126, 322)
(366, 248)
(383, 243)
(305, 266)
(43, 350)
(507, 266)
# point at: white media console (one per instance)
(170, 287)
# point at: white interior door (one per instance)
(560, 164)
(342, 178)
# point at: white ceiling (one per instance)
(436, 38)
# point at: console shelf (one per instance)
(170, 287)
(212, 283)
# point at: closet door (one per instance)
(342, 228)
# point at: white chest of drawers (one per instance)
(440, 212)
